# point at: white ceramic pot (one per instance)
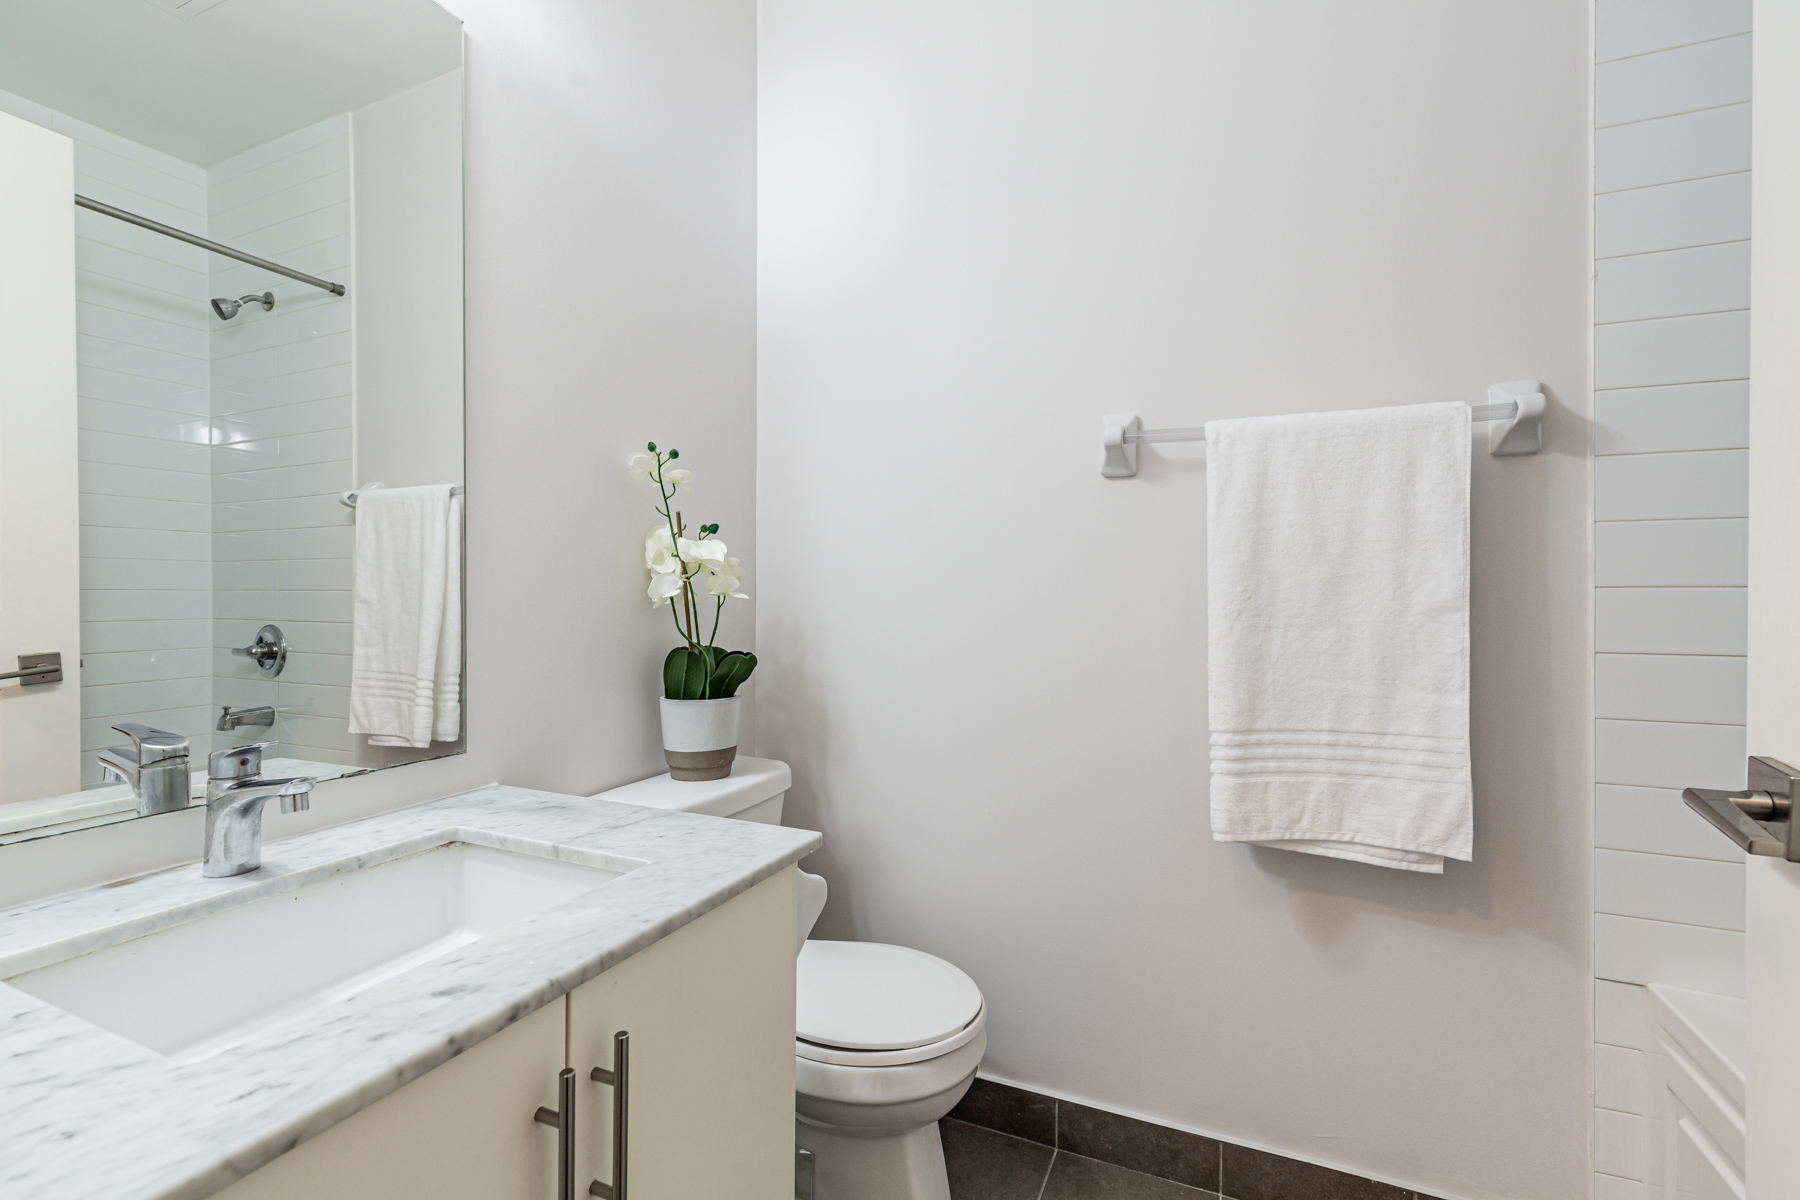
(700, 737)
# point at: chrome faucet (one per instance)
(235, 795)
(155, 765)
(231, 718)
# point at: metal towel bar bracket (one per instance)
(1517, 408)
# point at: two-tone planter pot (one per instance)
(700, 737)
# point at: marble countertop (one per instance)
(84, 1112)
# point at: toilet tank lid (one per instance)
(870, 996)
(752, 780)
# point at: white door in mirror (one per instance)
(40, 601)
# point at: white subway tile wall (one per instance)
(1671, 361)
(281, 399)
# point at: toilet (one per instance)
(888, 1038)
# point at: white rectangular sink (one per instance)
(196, 989)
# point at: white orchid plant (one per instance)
(684, 573)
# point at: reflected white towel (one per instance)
(406, 644)
(1338, 633)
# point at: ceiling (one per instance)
(213, 84)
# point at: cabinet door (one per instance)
(465, 1131)
(710, 1010)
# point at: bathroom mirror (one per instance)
(231, 396)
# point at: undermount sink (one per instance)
(199, 988)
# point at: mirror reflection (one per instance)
(231, 391)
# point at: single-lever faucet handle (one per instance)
(236, 762)
(151, 744)
(155, 764)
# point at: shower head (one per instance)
(228, 309)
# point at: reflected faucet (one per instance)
(235, 795)
(155, 765)
(231, 718)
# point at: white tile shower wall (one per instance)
(1671, 351)
(282, 415)
(142, 365)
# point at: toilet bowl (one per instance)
(888, 1042)
(887, 1038)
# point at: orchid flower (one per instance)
(659, 551)
(664, 588)
(705, 553)
(724, 580)
(680, 566)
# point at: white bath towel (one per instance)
(406, 643)
(1338, 633)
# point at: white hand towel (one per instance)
(1338, 633)
(406, 643)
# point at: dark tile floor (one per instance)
(988, 1165)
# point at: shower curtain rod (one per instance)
(336, 289)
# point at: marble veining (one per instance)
(84, 1112)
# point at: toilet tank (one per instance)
(752, 792)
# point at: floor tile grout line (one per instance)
(1048, 1167)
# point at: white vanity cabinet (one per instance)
(710, 1014)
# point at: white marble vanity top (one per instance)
(86, 1113)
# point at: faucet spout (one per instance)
(234, 811)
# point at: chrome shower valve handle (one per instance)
(269, 651)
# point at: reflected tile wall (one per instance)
(281, 427)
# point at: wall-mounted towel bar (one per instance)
(348, 499)
(1518, 407)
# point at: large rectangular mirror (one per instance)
(231, 397)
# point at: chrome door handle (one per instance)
(37, 668)
(563, 1121)
(620, 1079)
(1758, 819)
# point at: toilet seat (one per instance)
(870, 998)
(814, 1052)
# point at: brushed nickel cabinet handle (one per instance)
(563, 1121)
(620, 1080)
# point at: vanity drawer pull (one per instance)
(563, 1121)
(620, 1079)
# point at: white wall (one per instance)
(40, 587)
(614, 142)
(142, 367)
(408, 158)
(983, 227)
(1671, 336)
